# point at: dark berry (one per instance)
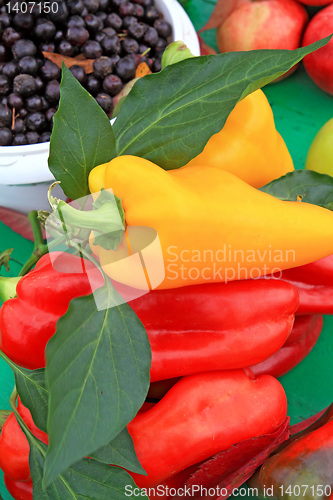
(114, 59)
(47, 47)
(105, 102)
(19, 126)
(4, 84)
(160, 45)
(32, 137)
(78, 73)
(130, 46)
(3, 53)
(15, 101)
(23, 21)
(77, 36)
(10, 36)
(19, 140)
(45, 103)
(128, 20)
(76, 21)
(10, 69)
(39, 84)
(34, 103)
(103, 4)
(114, 21)
(102, 16)
(49, 114)
(102, 66)
(138, 11)
(92, 49)
(4, 19)
(108, 31)
(58, 36)
(4, 100)
(150, 37)
(91, 5)
(144, 49)
(163, 28)
(24, 85)
(137, 30)
(125, 68)
(112, 84)
(28, 64)
(52, 92)
(111, 45)
(45, 29)
(23, 48)
(49, 70)
(93, 84)
(145, 3)
(116, 3)
(93, 23)
(5, 116)
(66, 48)
(23, 113)
(61, 15)
(36, 121)
(126, 9)
(5, 137)
(152, 14)
(157, 65)
(76, 6)
(45, 137)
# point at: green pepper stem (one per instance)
(8, 288)
(104, 219)
(4, 414)
(40, 248)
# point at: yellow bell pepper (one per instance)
(248, 145)
(211, 225)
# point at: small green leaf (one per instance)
(82, 137)
(120, 452)
(33, 394)
(305, 186)
(169, 116)
(5, 258)
(87, 479)
(97, 373)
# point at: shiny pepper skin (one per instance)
(215, 326)
(19, 490)
(307, 459)
(14, 446)
(248, 145)
(202, 415)
(29, 320)
(245, 233)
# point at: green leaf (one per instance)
(169, 116)
(120, 452)
(97, 373)
(82, 137)
(87, 479)
(30, 386)
(303, 185)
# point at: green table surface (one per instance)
(300, 109)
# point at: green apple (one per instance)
(320, 155)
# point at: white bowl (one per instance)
(24, 173)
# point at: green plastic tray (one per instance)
(300, 109)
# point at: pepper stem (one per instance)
(40, 248)
(8, 288)
(107, 220)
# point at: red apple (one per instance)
(319, 64)
(263, 24)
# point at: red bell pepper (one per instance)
(314, 283)
(303, 338)
(215, 326)
(18, 489)
(14, 446)
(191, 329)
(201, 415)
(304, 465)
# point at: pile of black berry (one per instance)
(117, 34)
